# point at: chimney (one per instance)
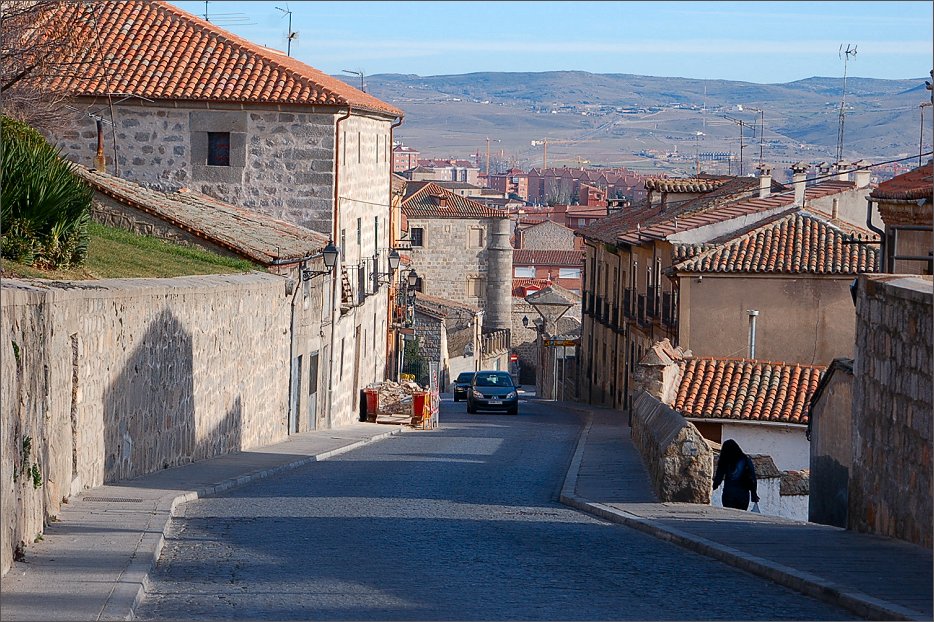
(861, 177)
(765, 180)
(843, 170)
(823, 169)
(799, 179)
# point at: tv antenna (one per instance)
(845, 57)
(742, 125)
(226, 19)
(291, 35)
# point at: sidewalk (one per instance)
(874, 577)
(93, 564)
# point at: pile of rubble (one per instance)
(395, 398)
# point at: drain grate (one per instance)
(112, 499)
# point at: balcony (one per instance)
(627, 303)
(651, 305)
(669, 309)
(640, 309)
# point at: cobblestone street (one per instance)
(457, 523)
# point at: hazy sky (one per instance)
(764, 42)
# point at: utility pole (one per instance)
(845, 55)
(488, 161)
(742, 125)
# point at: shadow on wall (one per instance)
(150, 418)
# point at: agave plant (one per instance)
(44, 205)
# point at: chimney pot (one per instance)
(765, 180)
(799, 180)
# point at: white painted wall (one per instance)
(787, 445)
(771, 502)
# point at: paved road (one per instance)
(457, 523)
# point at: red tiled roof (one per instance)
(798, 243)
(247, 233)
(586, 211)
(155, 50)
(911, 186)
(668, 223)
(426, 202)
(747, 390)
(520, 287)
(442, 307)
(532, 257)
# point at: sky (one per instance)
(762, 42)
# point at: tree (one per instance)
(40, 41)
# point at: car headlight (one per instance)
(510, 395)
(477, 393)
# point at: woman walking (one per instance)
(738, 475)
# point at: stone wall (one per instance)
(890, 486)
(831, 445)
(114, 379)
(548, 236)
(678, 459)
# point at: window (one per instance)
(569, 273)
(375, 233)
(360, 236)
(418, 236)
(524, 272)
(219, 148)
(581, 222)
(343, 244)
(475, 237)
(474, 286)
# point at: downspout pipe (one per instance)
(392, 345)
(877, 230)
(335, 278)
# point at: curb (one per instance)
(811, 585)
(133, 582)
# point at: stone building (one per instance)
(460, 251)
(260, 130)
(449, 334)
(689, 262)
(546, 235)
(871, 427)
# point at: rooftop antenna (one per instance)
(291, 35)
(845, 56)
(742, 125)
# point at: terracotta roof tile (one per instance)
(250, 234)
(432, 201)
(798, 243)
(155, 50)
(913, 185)
(532, 257)
(690, 184)
(442, 306)
(749, 390)
(522, 287)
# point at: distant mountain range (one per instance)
(634, 121)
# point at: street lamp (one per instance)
(412, 279)
(394, 258)
(330, 253)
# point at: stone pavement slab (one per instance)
(93, 562)
(872, 576)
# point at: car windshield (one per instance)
(493, 380)
(466, 376)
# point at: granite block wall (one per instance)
(114, 379)
(890, 485)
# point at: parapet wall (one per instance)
(890, 486)
(678, 459)
(109, 380)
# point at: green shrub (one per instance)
(44, 206)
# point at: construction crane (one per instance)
(544, 143)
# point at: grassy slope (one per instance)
(115, 253)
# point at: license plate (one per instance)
(495, 402)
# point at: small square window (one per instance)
(418, 236)
(219, 148)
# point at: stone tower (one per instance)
(498, 310)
